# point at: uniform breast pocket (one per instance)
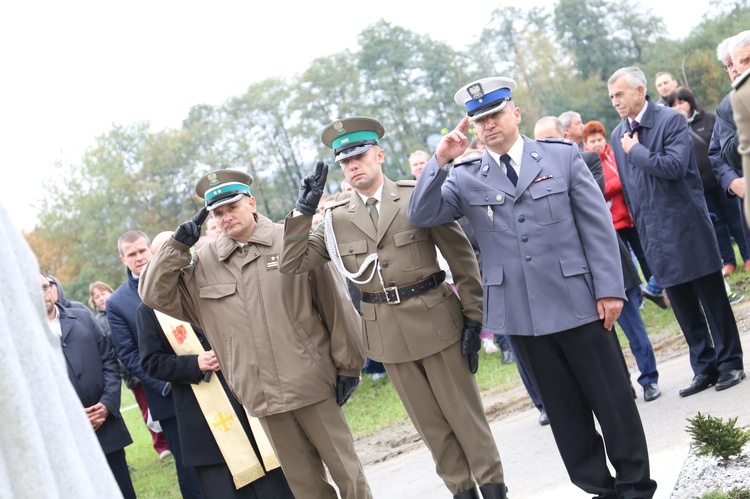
(353, 253)
(490, 209)
(551, 201)
(217, 291)
(414, 247)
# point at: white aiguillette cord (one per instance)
(333, 253)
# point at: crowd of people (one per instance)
(242, 345)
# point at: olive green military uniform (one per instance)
(418, 339)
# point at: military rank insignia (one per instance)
(272, 261)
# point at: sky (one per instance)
(72, 70)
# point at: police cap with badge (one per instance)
(221, 187)
(486, 96)
(352, 136)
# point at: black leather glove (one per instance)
(345, 386)
(311, 190)
(471, 342)
(189, 232)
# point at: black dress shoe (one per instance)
(543, 419)
(700, 383)
(658, 299)
(728, 379)
(651, 392)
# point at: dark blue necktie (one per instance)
(512, 176)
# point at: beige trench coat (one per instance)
(280, 340)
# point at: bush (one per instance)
(713, 437)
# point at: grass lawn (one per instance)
(373, 407)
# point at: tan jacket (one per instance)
(280, 340)
(419, 326)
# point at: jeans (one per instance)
(631, 322)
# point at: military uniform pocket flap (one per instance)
(356, 247)
(215, 291)
(546, 187)
(436, 297)
(492, 276)
(485, 197)
(574, 265)
(409, 236)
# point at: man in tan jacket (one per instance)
(290, 347)
(414, 323)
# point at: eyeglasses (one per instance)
(46, 288)
(727, 67)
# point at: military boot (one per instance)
(494, 491)
(467, 494)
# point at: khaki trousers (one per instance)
(305, 439)
(442, 399)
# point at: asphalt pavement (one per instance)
(532, 464)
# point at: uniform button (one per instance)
(549, 189)
(391, 284)
(79, 376)
(584, 266)
(485, 279)
(432, 173)
(522, 219)
(411, 236)
(65, 344)
(385, 265)
(380, 245)
(255, 254)
(524, 238)
(486, 198)
(528, 258)
(351, 250)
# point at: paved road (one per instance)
(533, 468)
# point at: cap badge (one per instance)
(212, 180)
(339, 127)
(476, 91)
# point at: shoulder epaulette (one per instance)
(466, 161)
(556, 141)
(406, 183)
(740, 80)
(333, 204)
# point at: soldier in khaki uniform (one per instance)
(740, 99)
(414, 322)
(289, 346)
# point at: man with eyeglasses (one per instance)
(92, 369)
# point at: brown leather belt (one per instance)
(394, 295)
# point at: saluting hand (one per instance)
(453, 144)
(189, 232)
(311, 190)
(609, 310)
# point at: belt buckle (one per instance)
(394, 290)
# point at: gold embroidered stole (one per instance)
(226, 428)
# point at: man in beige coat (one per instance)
(289, 346)
(414, 323)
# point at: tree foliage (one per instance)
(560, 56)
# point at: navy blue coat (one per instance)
(92, 369)
(664, 192)
(721, 141)
(121, 314)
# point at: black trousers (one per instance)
(579, 375)
(713, 338)
(187, 478)
(119, 467)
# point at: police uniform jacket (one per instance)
(663, 189)
(92, 369)
(548, 245)
(280, 340)
(421, 325)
